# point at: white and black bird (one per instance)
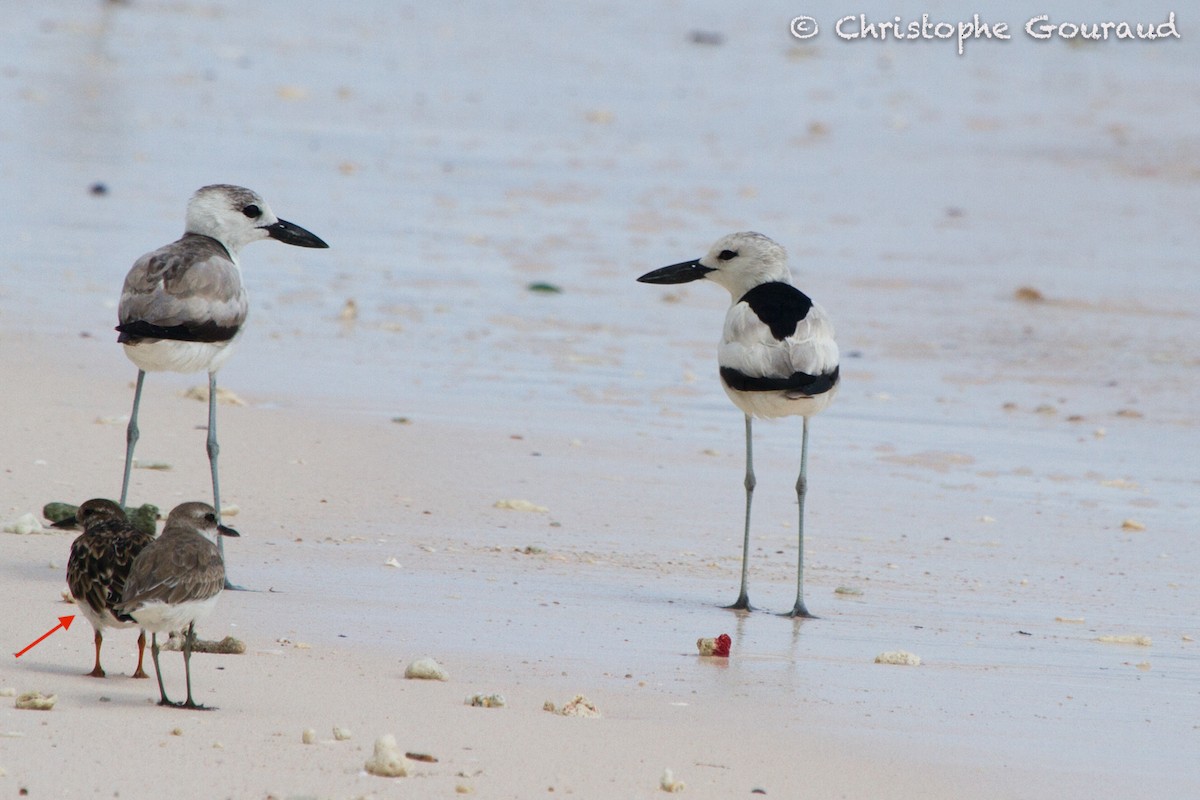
(175, 581)
(777, 355)
(98, 569)
(183, 305)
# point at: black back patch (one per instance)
(780, 306)
(798, 382)
(136, 331)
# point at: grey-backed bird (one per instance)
(183, 305)
(175, 581)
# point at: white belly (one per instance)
(161, 617)
(168, 355)
(101, 619)
(769, 405)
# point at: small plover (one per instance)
(175, 581)
(777, 355)
(183, 305)
(98, 568)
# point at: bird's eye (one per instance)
(252, 211)
(210, 518)
(727, 255)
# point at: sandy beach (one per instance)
(1005, 487)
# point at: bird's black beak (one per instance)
(66, 523)
(227, 531)
(677, 273)
(289, 233)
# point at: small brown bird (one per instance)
(175, 581)
(98, 568)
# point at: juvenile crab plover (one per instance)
(175, 581)
(777, 355)
(183, 305)
(98, 568)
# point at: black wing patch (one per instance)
(798, 382)
(780, 306)
(137, 330)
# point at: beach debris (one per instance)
(426, 669)
(25, 525)
(712, 38)
(1071, 620)
(341, 733)
(462, 788)
(161, 466)
(579, 706)
(1132, 525)
(392, 562)
(423, 757)
(481, 700)
(544, 288)
(177, 731)
(387, 761)
(57, 512)
(898, 657)
(521, 505)
(848, 591)
(349, 311)
(228, 646)
(36, 701)
(1144, 666)
(1140, 641)
(309, 736)
(717, 647)
(1028, 294)
(8, 691)
(143, 517)
(668, 783)
(223, 395)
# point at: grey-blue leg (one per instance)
(162, 692)
(131, 435)
(799, 610)
(189, 640)
(743, 601)
(214, 450)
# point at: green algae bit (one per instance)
(143, 517)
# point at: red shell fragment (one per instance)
(723, 644)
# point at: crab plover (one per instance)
(183, 305)
(98, 568)
(175, 581)
(777, 355)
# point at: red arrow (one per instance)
(63, 622)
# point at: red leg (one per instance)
(97, 671)
(139, 672)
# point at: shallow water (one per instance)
(452, 158)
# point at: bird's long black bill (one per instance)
(226, 531)
(289, 233)
(684, 272)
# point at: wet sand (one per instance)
(1008, 260)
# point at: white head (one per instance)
(236, 216)
(738, 261)
(197, 517)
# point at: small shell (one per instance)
(426, 669)
(668, 783)
(36, 701)
(387, 761)
(899, 657)
(521, 505)
(341, 733)
(481, 700)
(309, 736)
